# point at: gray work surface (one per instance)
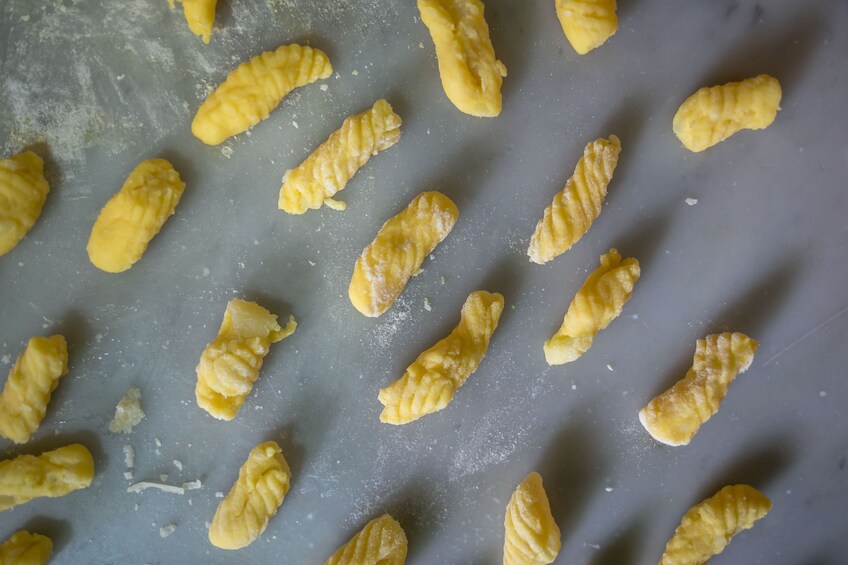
(105, 84)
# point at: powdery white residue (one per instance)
(390, 324)
(491, 443)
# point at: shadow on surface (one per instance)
(504, 277)
(624, 548)
(644, 239)
(627, 122)
(513, 35)
(58, 531)
(416, 512)
(760, 464)
(293, 450)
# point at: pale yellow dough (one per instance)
(598, 302)
(230, 364)
(51, 474)
(714, 113)
(134, 215)
(573, 210)
(31, 381)
(707, 528)
(675, 416)
(531, 536)
(428, 385)
(255, 88)
(587, 23)
(23, 191)
(200, 17)
(381, 542)
(396, 254)
(262, 484)
(24, 548)
(471, 75)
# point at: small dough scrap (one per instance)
(714, 113)
(329, 168)
(244, 513)
(200, 17)
(471, 75)
(230, 364)
(134, 215)
(573, 210)
(431, 381)
(23, 191)
(381, 542)
(31, 382)
(531, 536)
(255, 88)
(128, 413)
(396, 254)
(24, 548)
(674, 416)
(598, 302)
(707, 528)
(51, 474)
(587, 23)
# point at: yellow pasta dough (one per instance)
(134, 215)
(31, 381)
(244, 513)
(230, 364)
(24, 548)
(675, 416)
(431, 381)
(471, 75)
(200, 17)
(381, 542)
(51, 474)
(531, 536)
(573, 210)
(23, 190)
(396, 254)
(707, 528)
(255, 88)
(715, 113)
(329, 168)
(587, 23)
(598, 302)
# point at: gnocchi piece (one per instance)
(51, 474)
(714, 113)
(134, 215)
(31, 381)
(396, 254)
(255, 88)
(573, 210)
(598, 302)
(674, 416)
(24, 548)
(200, 16)
(431, 381)
(230, 364)
(23, 191)
(471, 75)
(244, 513)
(381, 542)
(587, 23)
(531, 536)
(328, 170)
(707, 528)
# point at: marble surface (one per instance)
(103, 85)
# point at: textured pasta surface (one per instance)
(587, 23)
(431, 381)
(134, 215)
(31, 381)
(396, 254)
(51, 474)
(244, 513)
(329, 168)
(598, 302)
(470, 73)
(200, 17)
(707, 528)
(381, 542)
(255, 88)
(714, 113)
(24, 548)
(531, 536)
(23, 191)
(675, 416)
(573, 210)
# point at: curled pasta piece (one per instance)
(531, 536)
(381, 542)
(587, 23)
(244, 513)
(24, 548)
(675, 416)
(51, 474)
(23, 191)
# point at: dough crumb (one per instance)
(691, 201)
(178, 464)
(427, 304)
(167, 530)
(129, 456)
(609, 367)
(128, 413)
(324, 88)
